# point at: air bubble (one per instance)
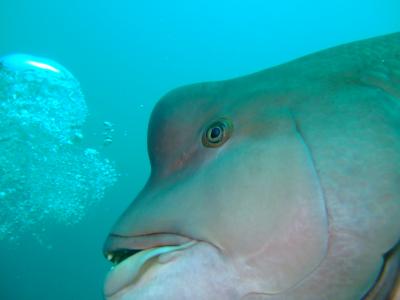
(108, 133)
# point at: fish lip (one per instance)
(131, 244)
(126, 274)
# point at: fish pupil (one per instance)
(215, 132)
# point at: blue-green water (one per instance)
(126, 55)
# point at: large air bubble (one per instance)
(46, 175)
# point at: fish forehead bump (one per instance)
(189, 98)
(181, 117)
(177, 121)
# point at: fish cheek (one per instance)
(271, 217)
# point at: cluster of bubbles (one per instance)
(46, 175)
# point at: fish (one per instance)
(282, 184)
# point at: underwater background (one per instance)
(126, 55)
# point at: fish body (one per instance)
(283, 184)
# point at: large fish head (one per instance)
(233, 205)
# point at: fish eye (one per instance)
(217, 133)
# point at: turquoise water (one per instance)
(126, 55)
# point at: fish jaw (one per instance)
(130, 270)
(195, 270)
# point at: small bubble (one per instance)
(91, 152)
(107, 141)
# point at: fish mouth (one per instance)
(120, 255)
(119, 247)
(131, 256)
